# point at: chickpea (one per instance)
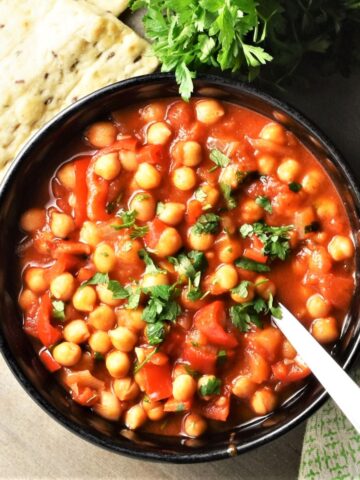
(61, 224)
(102, 318)
(169, 242)
(158, 133)
(117, 364)
(191, 304)
(63, 286)
(154, 279)
(250, 295)
(250, 211)
(153, 112)
(226, 277)
(184, 387)
(127, 250)
(207, 195)
(106, 296)
(317, 306)
(265, 287)
(326, 209)
(192, 154)
(288, 170)
(126, 389)
(288, 351)
(341, 248)
(209, 111)
(84, 299)
(203, 382)
(32, 220)
(171, 213)
(67, 354)
(101, 134)
(312, 182)
(108, 407)
(135, 417)
(320, 261)
(263, 401)
(230, 175)
(35, 279)
(27, 299)
(144, 205)
(184, 178)
(325, 330)
(266, 164)
(228, 250)
(128, 160)
(147, 176)
(66, 175)
(76, 331)
(89, 234)
(202, 241)
(104, 258)
(100, 342)
(154, 410)
(243, 387)
(108, 166)
(274, 133)
(123, 339)
(131, 318)
(194, 425)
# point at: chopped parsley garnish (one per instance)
(138, 232)
(227, 193)
(97, 279)
(112, 206)
(275, 239)
(190, 266)
(313, 227)
(245, 314)
(295, 187)
(200, 195)
(219, 159)
(149, 262)
(242, 289)
(252, 265)
(139, 366)
(118, 291)
(156, 333)
(58, 310)
(207, 223)
(128, 219)
(264, 203)
(211, 387)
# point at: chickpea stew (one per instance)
(151, 270)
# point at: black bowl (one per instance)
(25, 176)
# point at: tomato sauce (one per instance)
(156, 251)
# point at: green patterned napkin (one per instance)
(331, 449)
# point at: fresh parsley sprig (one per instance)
(275, 239)
(206, 223)
(245, 314)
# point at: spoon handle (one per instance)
(333, 378)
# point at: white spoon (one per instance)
(342, 389)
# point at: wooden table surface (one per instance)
(33, 446)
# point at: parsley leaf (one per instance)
(97, 279)
(156, 333)
(275, 239)
(242, 289)
(252, 265)
(118, 291)
(207, 223)
(264, 203)
(227, 193)
(138, 232)
(219, 158)
(211, 387)
(128, 219)
(58, 310)
(245, 314)
(139, 366)
(295, 187)
(149, 262)
(190, 266)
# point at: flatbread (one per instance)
(112, 6)
(53, 52)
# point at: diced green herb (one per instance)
(128, 219)
(242, 289)
(145, 361)
(134, 299)
(58, 310)
(245, 314)
(118, 291)
(211, 387)
(190, 266)
(97, 279)
(149, 262)
(207, 223)
(264, 203)
(219, 158)
(227, 193)
(295, 187)
(313, 227)
(112, 206)
(138, 232)
(156, 333)
(275, 239)
(200, 195)
(252, 265)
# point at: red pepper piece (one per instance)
(156, 228)
(157, 381)
(48, 360)
(81, 190)
(210, 320)
(47, 334)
